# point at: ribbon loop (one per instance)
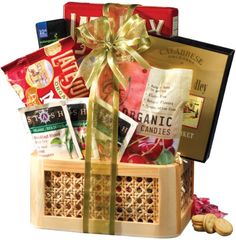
(132, 33)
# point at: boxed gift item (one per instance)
(159, 20)
(148, 192)
(211, 65)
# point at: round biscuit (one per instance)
(198, 218)
(200, 224)
(209, 222)
(198, 228)
(197, 224)
(223, 227)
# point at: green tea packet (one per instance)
(52, 131)
(77, 108)
(102, 130)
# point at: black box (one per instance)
(211, 65)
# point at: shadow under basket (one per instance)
(151, 200)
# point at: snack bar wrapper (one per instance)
(50, 72)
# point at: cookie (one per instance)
(198, 228)
(198, 219)
(223, 227)
(209, 222)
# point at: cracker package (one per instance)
(52, 131)
(49, 72)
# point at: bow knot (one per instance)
(107, 45)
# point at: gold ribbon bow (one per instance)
(131, 38)
(115, 37)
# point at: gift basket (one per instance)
(116, 104)
(148, 202)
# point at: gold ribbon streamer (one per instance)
(114, 37)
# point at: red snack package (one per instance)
(159, 20)
(47, 73)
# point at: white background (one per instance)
(208, 21)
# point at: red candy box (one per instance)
(159, 20)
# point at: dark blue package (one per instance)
(51, 31)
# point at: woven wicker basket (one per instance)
(151, 200)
